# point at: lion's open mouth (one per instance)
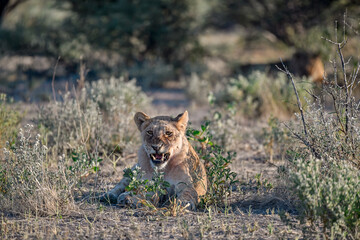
(159, 158)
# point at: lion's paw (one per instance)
(109, 198)
(188, 204)
(127, 199)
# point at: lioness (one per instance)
(165, 146)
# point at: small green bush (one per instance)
(330, 194)
(217, 165)
(324, 167)
(148, 193)
(259, 95)
(32, 182)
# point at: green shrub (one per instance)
(324, 169)
(329, 193)
(148, 193)
(217, 165)
(259, 95)
(137, 31)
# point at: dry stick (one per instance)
(354, 77)
(332, 93)
(347, 96)
(306, 139)
(53, 79)
(348, 85)
(341, 45)
(288, 74)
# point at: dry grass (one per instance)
(103, 222)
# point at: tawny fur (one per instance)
(315, 69)
(183, 169)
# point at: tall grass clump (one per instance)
(324, 171)
(98, 116)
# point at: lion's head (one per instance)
(163, 137)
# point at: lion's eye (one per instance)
(150, 132)
(168, 133)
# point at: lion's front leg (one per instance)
(111, 197)
(187, 195)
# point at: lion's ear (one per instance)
(140, 118)
(181, 121)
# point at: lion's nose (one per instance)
(156, 147)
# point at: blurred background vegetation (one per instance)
(162, 40)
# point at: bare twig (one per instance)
(343, 68)
(306, 139)
(312, 94)
(288, 74)
(306, 142)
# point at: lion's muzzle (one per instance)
(159, 158)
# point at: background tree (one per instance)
(288, 21)
(139, 30)
(7, 6)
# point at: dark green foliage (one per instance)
(284, 19)
(147, 192)
(217, 165)
(137, 29)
